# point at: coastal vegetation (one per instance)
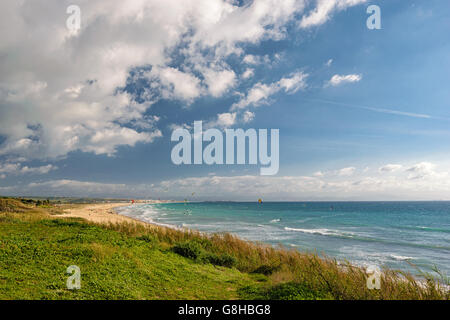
(142, 261)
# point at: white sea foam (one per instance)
(146, 213)
(324, 232)
(275, 220)
(401, 258)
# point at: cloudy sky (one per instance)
(363, 114)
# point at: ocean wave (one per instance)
(426, 229)
(320, 217)
(324, 232)
(433, 229)
(401, 258)
(275, 220)
(358, 237)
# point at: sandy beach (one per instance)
(104, 212)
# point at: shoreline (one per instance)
(105, 213)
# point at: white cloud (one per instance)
(256, 96)
(229, 119)
(257, 60)
(422, 167)
(293, 83)
(177, 84)
(390, 168)
(337, 79)
(260, 93)
(251, 59)
(248, 116)
(174, 126)
(324, 9)
(318, 174)
(106, 140)
(421, 170)
(329, 63)
(346, 171)
(219, 81)
(224, 120)
(248, 73)
(9, 167)
(18, 169)
(39, 170)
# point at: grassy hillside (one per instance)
(129, 261)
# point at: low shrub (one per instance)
(224, 260)
(266, 270)
(195, 251)
(190, 249)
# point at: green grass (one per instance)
(35, 255)
(134, 261)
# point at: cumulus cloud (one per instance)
(318, 174)
(324, 9)
(176, 84)
(248, 73)
(267, 60)
(260, 92)
(18, 169)
(250, 59)
(337, 79)
(224, 120)
(390, 168)
(229, 119)
(66, 91)
(248, 116)
(421, 170)
(39, 170)
(219, 81)
(346, 171)
(9, 167)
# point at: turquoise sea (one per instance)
(392, 234)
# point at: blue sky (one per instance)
(378, 132)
